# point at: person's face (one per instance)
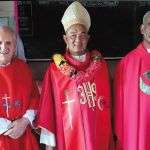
(145, 30)
(76, 39)
(7, 46)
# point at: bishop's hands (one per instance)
(17, 128)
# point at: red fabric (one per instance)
(16, 83)
(132, 113)
(85, 124)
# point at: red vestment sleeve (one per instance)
(46, 113)
(105, 118)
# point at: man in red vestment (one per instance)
(75, 102)
(18, 97)
(132, 95)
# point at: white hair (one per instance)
(146, 16)
(8, 30)
(17, 40)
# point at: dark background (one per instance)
(114, 31)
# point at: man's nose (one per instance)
(3, 46)
(78, 38)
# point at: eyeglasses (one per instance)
(82, 36)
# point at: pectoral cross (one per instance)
(68, 102)
(6, 104)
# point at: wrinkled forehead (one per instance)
(7, 35)
(76, 28)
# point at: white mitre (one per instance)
(76, 14)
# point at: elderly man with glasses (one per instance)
(75, 101)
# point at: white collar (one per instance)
(81, 58)
(148, 50)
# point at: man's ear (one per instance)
(142, 29)
(65, 38)
(88, 37)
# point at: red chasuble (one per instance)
(132, 101)
(77, 108)
(18, 93)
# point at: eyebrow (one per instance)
(74, 32)
(7, 42)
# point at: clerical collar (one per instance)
(148, 50)
(81, 58)
(4, 65)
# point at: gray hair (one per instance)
(17, 40)
(9, 30)
(146, 16)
